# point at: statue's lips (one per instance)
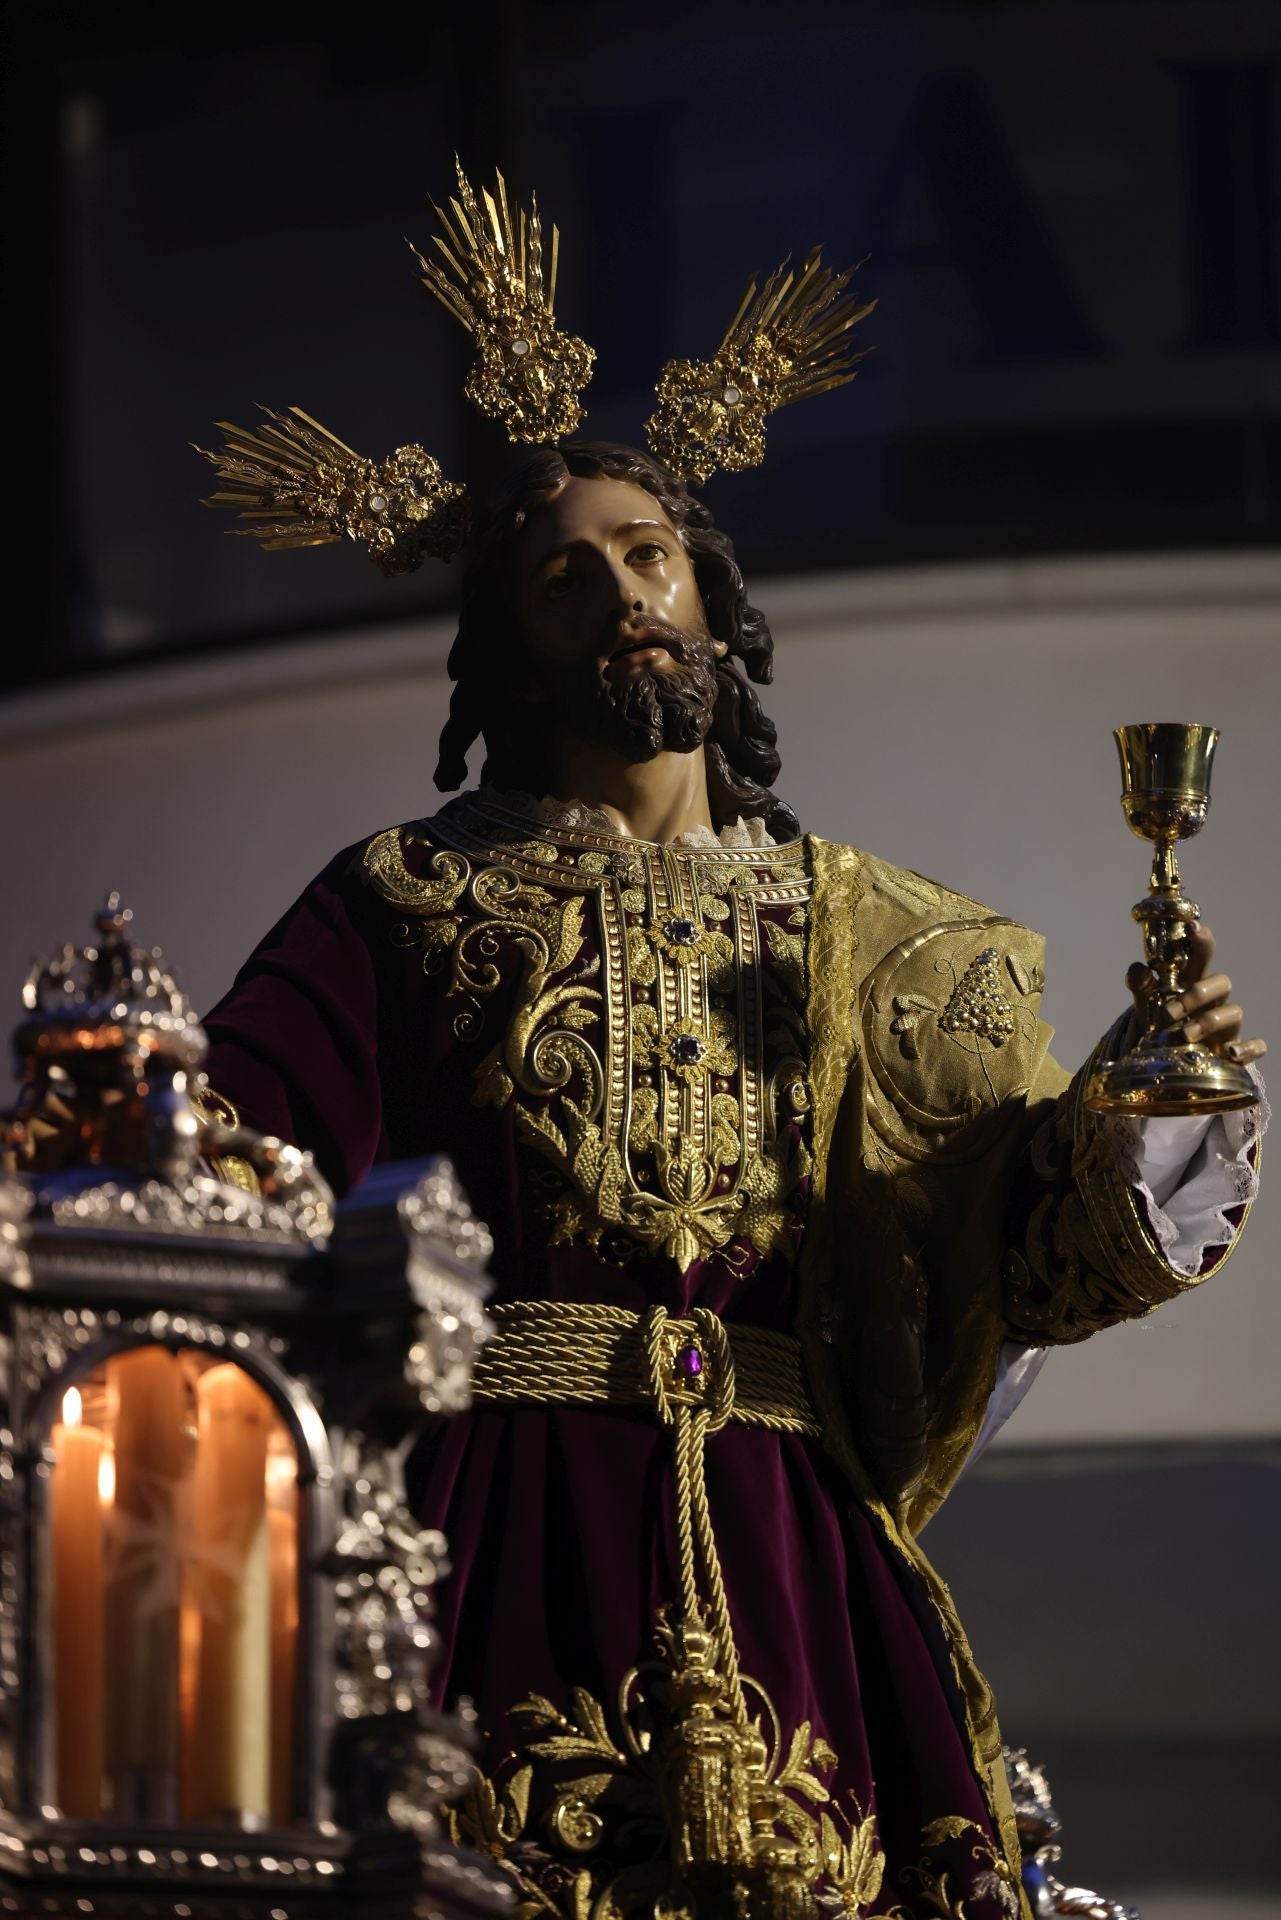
(651, 642)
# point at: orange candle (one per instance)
(78, 1610)
(153, 1459)
(230, 1570)
(282, 1527)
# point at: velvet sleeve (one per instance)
(294, 1043)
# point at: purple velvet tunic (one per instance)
(373, 1022)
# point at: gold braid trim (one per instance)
(1088, 1257)
(696, 1375)
(836, 1082)
(552, 1353)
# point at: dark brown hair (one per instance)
(742, 761)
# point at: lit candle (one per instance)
(230, 1575)
(77, 1609)
(282, 1525)
(153, 1456)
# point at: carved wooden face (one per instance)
(599, 562)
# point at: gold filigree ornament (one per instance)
(528, 373)
(684, 1805)
(787, 341)
(297, 485)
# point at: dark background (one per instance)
(1069, 214)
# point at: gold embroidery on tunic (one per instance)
(675, 1810)
(666, 1083)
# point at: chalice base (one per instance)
(1170, 1080)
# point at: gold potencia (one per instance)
(1165, 791)
(786, 342)
(298, 485)
(528, 374)
(295, 484)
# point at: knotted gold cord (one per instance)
(692, 1424)
(551, 1353)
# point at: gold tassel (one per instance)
(702, 1757)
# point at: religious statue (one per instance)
(787, 1194)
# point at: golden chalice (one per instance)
(1165, 775)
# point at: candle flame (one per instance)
(73, 1410)
(106, 1478)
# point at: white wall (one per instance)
(954, 719)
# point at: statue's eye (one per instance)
(648, 550)
(559, 586)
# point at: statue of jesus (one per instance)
(787, 1197)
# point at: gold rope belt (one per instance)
(696, 1374)
(549, 1353)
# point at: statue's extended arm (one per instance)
(1084, 1250)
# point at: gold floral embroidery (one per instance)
(788, 951)
(642, 1135)
(676, 1810)
(726, 1123)
(854, 1864)
(987, 1875)
(686, 943)
(685, 1048)
(632, 1073)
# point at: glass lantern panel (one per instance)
(175, 1594)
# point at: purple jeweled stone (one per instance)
(689, 1362)
(680, 931)
(687, 1049)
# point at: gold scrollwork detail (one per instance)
(681, 1803)
(675, 1806)
(673, 1117)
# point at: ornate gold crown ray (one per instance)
(295, 484)
(786, 342)
(528, 373)
(298, 485)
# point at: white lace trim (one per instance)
(551, 812)
(1188, 1173)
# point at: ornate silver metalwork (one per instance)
(201, 1205)
(451, 1323)
(352, 1320)
(1039, 1829)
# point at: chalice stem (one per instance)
(1164, 917)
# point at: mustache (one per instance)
(688, 648)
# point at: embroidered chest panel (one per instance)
(652, 1043)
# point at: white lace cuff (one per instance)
(1188, 1173)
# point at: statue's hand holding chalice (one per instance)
(1188, 1055)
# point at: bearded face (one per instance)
(613, 622)
(655, 693)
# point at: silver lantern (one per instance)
(215, 1604)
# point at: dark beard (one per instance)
(663, 710)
